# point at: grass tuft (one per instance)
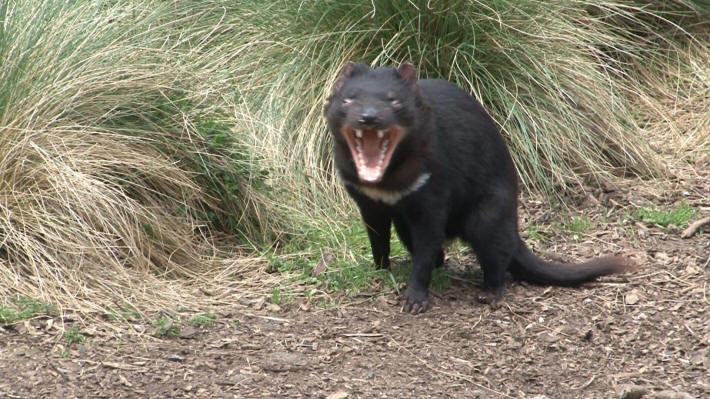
(166, 327)
(22, 308)
(72, 335)
(678, 217)
(203, 320)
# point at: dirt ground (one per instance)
(646, 333)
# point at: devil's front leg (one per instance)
(427, 231)
(378, 222)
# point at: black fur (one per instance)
(471, 191)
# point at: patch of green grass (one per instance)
(580, 224)
(537, 233)
(73, 336)
(280, 295)
(7, 316)
(348, 276)
(23, 308)
(398, 276)
(167, 327)
(678, 216)
(352, 279)
(576, 225)
(204, 320)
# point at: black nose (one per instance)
(369, 116)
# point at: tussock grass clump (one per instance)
(117, 166)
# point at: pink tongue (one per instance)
(371, 148)
(371, 169)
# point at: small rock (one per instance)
(168, 323)
(68, 317)
(630, 391)
(124, 381)
(272, 307)
(588, 334)
(670, 395)
(632, 298)
(662, 257)
(259, 303)
(188, 332)
(285, 361)
(550, 338)
(175, 358)
(338, 395)
(698, 359)
(322, 267)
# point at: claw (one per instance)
(491, 299)
(413, 307)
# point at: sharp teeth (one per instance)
(358, 133)
(380, 134)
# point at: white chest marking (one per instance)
(392, 197)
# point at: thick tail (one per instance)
(528, 267)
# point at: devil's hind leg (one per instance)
(491, 230)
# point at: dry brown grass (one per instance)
(103, 193)
(679, 124)
(78, 233)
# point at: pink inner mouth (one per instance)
(372, 149)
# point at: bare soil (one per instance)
(646, 333)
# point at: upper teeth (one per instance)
(380, 134)
(358, 133)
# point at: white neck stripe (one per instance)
(390, 197)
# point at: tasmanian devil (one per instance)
(424, 155)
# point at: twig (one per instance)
(363, 335)
(587, 384)
(694, 227)
(269, 318)
(61, 373)
(121, 366)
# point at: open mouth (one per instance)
(372, 150)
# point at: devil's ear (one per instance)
(351, 69)
(408, 73)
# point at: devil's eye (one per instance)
(347, 101)
(395, 103)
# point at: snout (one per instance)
(369, 117)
